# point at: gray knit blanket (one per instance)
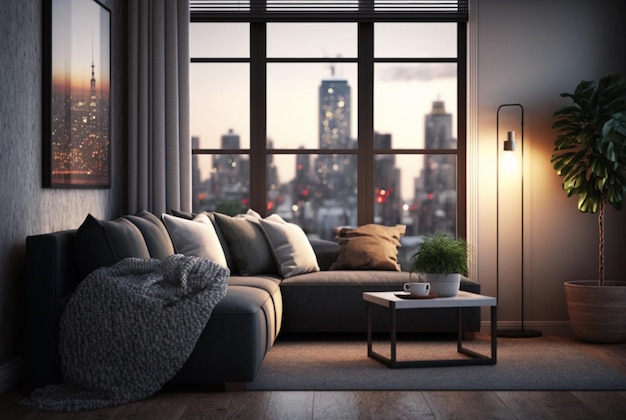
(128, 328)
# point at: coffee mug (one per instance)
(417, 289)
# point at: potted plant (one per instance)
(440, 261)
(590, 155)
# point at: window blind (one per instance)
(328, 10)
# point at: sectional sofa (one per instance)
(281, 282)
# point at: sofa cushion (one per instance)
(248, 246)
(183, 214)
(369, 247)
(326, 252)
(195, 237)
(292, 250)
(102, 243)
(154, 233)
(224, 242)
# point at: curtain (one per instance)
(159, 141)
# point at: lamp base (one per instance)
(518, 333)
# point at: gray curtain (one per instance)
(159, 140)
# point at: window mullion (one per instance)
(461, 186)
(258, 120)
(366, 124)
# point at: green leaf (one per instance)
(590, 148)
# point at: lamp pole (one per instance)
(509, 145)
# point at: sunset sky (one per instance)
(404, 92)
(80, 35)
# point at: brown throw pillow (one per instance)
(369, 247)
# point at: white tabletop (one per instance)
(461, 300)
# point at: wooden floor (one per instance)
(326, 405)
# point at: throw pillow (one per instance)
(154, 233)
(195, 237)
(369, 247)
(292, 248)
(248, 246)
(102, 243)
(183, 214)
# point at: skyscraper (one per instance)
(336, 184)
(230, 177)
(438, 207)
(334, 96)
(335, 171)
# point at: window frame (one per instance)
(365, 151)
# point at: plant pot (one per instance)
(597, 314)
(443, 285)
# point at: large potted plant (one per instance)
(440, 261)
(590, 155)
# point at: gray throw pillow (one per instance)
(154, 233)
(248, 246)
(101, 243)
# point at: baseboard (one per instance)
(546, 327)
(10, 374)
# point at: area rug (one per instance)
(342, 364)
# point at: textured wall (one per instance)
(25, 207)
(528, 53)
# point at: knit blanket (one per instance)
(128, 328)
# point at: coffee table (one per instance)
(462, 300)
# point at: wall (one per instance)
(26, 208)
(529, 52)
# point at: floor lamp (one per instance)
(509, 146)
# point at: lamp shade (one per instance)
(509, 143)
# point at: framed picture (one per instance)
(76, 94)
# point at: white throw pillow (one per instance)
(292, 249)
(195, 237)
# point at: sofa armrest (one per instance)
(51, 275)
(469, 285)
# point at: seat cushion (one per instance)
(234, 342)
(271, 285)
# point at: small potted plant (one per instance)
(440, 261)
(590, 155)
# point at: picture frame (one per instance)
(76, 94)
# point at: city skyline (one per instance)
(405, 123)
(404, 92)
(323, 195)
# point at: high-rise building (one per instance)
(334, 171)
(334, 198)
(386, 183)
(438, 203)
(334, 112)
(230, 177)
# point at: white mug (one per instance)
(417, 289)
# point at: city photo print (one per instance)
(76, 94)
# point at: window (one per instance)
(331, 114)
